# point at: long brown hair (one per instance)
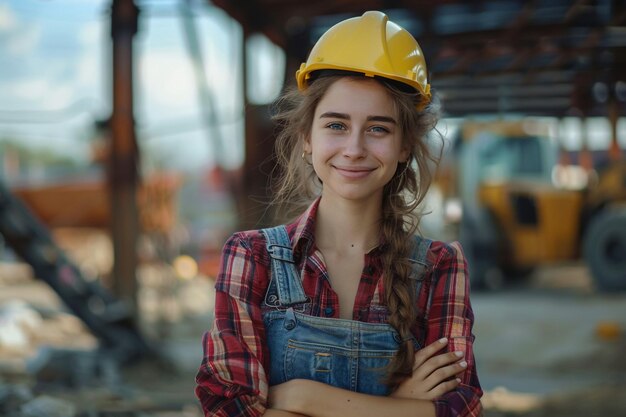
(297, 185)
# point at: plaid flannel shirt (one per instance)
(233, 380)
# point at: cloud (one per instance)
(91, 67)
(30, 89)
(8, 21)
(167, 77)
(26, 40)
(91, 33)
(59, 97)
(89, 70)
(47, 95)
(20, 38)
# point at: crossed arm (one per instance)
(433, 375)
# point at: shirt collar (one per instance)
(305, 227)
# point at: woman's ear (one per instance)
(307, 145)
(405, 155)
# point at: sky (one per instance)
(55, 78)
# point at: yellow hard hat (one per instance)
(373, 46)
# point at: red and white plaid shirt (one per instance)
(233, 380)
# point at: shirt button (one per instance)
(329, 311)
(290, 324)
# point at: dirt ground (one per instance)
(552, 346)
(546, 347)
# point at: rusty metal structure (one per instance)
(500, 57)
(123, 169)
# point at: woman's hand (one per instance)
(432, 374)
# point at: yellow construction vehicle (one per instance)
(522, 209)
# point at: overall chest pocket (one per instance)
(357, 370)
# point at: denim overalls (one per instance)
(344, 353)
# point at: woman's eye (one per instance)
(379, 129)
(335, 126)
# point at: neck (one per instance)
(347, 226)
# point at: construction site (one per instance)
(115, 203)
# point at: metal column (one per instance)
(124, 156)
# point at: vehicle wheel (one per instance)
(604, 249)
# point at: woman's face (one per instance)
(355, 141)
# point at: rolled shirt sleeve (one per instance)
(232, 380)
(450, 315)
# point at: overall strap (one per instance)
(284, 275)
(419, 261)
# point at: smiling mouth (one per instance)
(353, 172)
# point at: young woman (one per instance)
(346, 311)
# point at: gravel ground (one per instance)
(552, 346)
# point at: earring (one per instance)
(303, 156)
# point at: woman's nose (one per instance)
(355, 145)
